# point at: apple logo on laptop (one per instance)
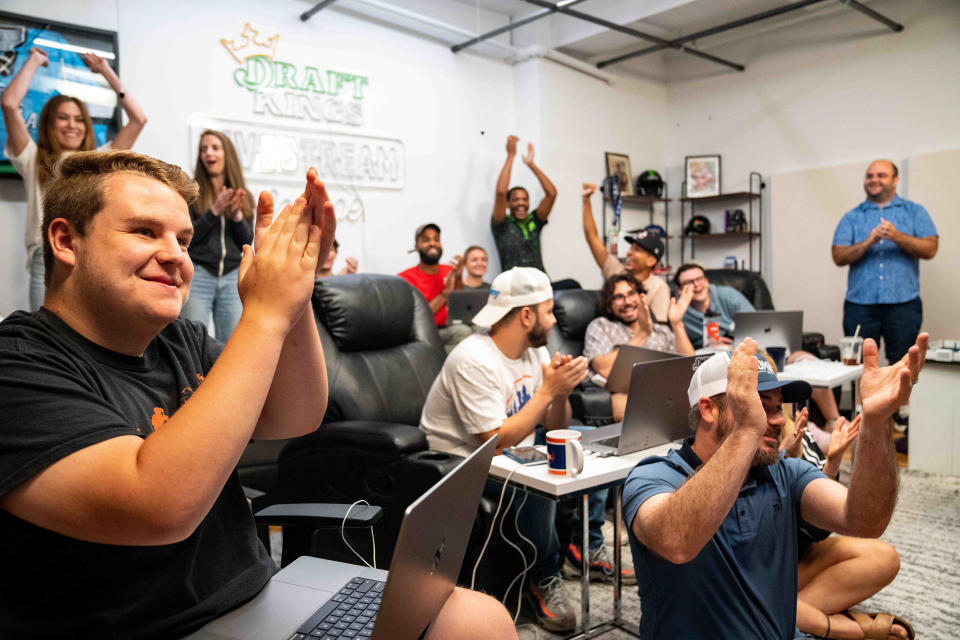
(436, 557)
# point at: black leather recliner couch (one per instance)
(574, 310)
(382, 354)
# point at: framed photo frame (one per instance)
(618, 164)
(702, 176)
(65, 73)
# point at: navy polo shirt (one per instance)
(743, 583)
(886, 274)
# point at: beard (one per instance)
(430, 257)
(761, 458)
(537, 336)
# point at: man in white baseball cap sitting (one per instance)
(714, 524)
(504, 382)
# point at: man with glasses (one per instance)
(627, 319)
(708, 303)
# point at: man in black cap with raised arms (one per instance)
(646, 250)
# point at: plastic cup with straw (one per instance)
(851, 348)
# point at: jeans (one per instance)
(596, 504)
(898, 324)
(596, 513)
(212, 295)
(38, 288)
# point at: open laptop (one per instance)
(770, 328)
(656, 411)
(426, 562)
(463, 304)
(627, 355)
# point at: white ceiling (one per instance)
(456, 21)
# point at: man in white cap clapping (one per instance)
(504, 382)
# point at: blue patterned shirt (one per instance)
(886, 274)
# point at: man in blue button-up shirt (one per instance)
(882, 240)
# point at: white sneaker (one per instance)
(608, 534)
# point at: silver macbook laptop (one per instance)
(627, 355)
(770, 328)
(426, 562)
(463, 304)
(656, 411)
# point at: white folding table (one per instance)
(599, 472)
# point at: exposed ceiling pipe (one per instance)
(510, 27)
(879, 17)
(673, 44)
(633, 32)
(306, 15)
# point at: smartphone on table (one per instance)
(525, 455)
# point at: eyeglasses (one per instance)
(620, 297)
(693, 281)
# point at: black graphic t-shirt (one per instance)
(60, 393)
(518, 241)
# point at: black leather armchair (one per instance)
(382, 354)
(753, 287)
(574, 309)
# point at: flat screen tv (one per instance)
(66, 73)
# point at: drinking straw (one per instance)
(856, 333)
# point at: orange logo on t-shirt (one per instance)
(159, 418)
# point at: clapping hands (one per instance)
(884, 390)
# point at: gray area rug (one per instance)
(925, 530)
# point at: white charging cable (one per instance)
(473, 576)
(526, 566)
(373, 542)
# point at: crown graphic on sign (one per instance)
(251, 45)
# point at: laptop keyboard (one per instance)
(348, 614)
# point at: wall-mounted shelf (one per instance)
(731, 235)
(735, 195)
(753, 234)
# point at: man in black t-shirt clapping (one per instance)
(121, 425)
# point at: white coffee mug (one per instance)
(565, 452)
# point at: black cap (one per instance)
(420, 230)
(649, 242)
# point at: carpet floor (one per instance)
(925, 530)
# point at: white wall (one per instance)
(933, 182)
(581, 118)
(806, 203)
(832, 92)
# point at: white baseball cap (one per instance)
(518, 287)
(710, 378)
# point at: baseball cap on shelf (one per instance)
(710, 378)
(649, 242)
(420, 230)
(517, 287)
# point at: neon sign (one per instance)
(285, 90)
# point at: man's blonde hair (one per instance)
(76, 191)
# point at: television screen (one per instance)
(66, 73)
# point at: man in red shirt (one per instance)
(435, 281)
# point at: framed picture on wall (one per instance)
(703, 176)
(618, 164)
(65, 73)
